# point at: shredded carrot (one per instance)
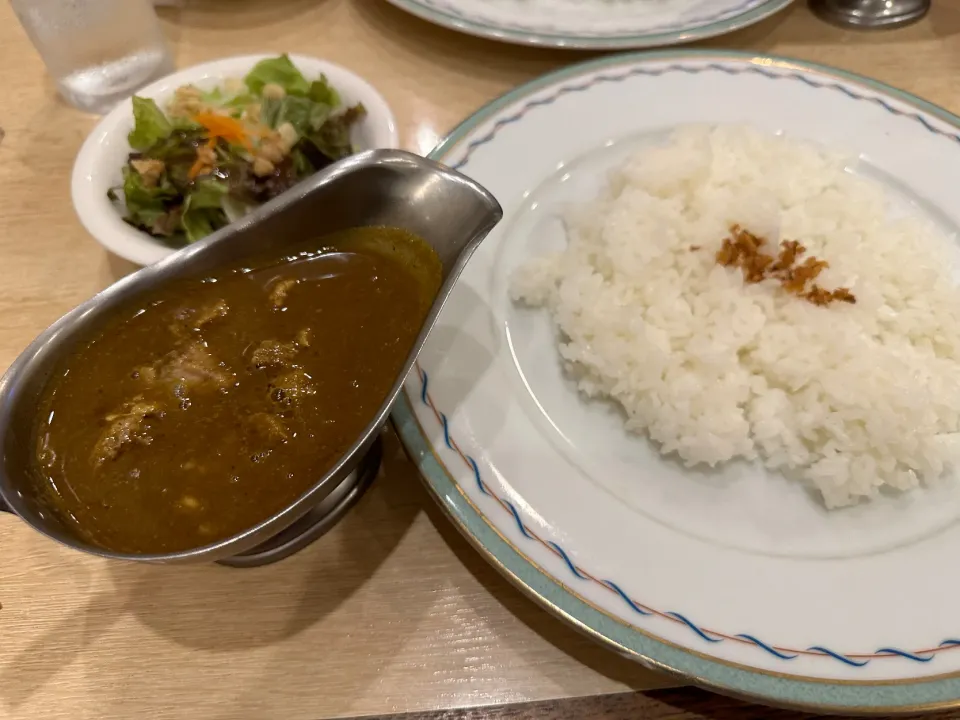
(226, 127)
(217, 126)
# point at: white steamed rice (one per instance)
(850, 398)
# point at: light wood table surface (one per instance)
(393, 611)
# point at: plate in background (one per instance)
(594, 24)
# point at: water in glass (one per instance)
(98, 51)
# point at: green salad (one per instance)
(208, 157)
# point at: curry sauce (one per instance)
(215, 403)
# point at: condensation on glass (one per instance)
(97, 51)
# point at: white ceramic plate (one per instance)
(594, 24)
(99, 164)
(747, 586)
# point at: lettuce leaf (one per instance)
(301, 163)
(279, 71)
(154, 209)
(241, 101)
(178, 152)
(305, 115)
(321, 91)
(203, 211)
(213, 97)
(199, 223)
(207, 193)
(235, 209)
(332, 139)
(234, 102)
(139, 196)
(150, 124)
(185, 125)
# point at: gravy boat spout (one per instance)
(376, 188)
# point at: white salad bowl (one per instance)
(101, 159)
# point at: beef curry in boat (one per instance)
(213, 404)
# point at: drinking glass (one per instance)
(98, 51)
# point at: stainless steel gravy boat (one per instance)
(378, 187)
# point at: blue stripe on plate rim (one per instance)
(873, 697)
(854, 660)
(446, 15)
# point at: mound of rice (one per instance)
(852, 398)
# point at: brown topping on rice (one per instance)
(743, 250)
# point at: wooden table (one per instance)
(392, 612)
